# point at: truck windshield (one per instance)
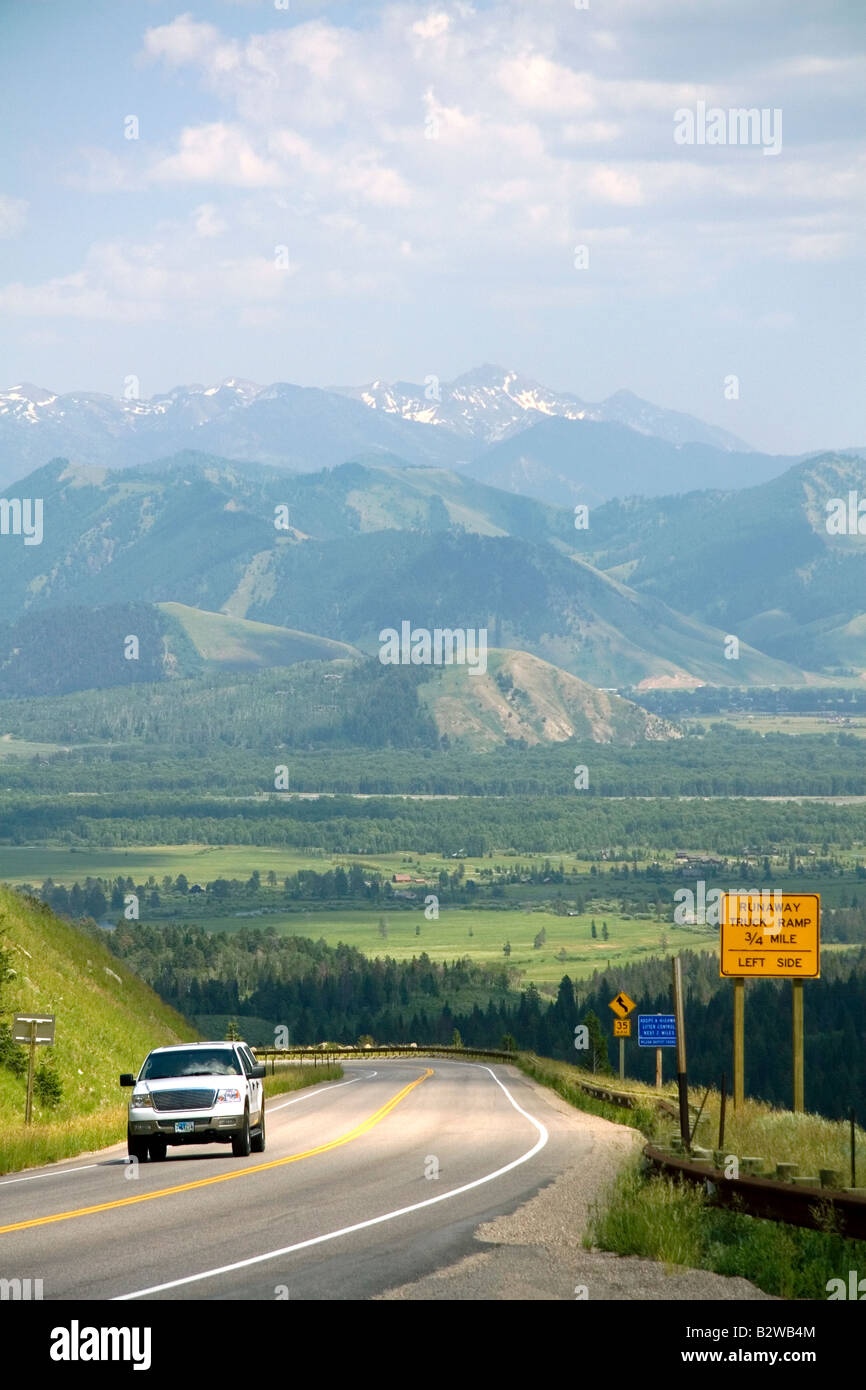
(199, 1061)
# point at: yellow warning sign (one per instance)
(771, 933)
(622, 1005)
(622, 1028)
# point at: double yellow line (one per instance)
(360, 1129)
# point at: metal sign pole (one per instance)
(622, 1059)
(739, 1043)
(797, 1019)
(28, 1110)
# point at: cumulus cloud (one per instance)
(482, 141)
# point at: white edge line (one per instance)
(61, 1173)
(312, 1094)
(543, 1137)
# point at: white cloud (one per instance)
(433, 27)
(186, 41)
(217, 153)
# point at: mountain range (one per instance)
(646, 596)
(491, 424)
(492, 403)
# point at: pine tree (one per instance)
(598, 1058)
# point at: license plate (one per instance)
(184, 1126)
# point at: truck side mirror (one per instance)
(127, 1078)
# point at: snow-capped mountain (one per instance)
(443, 424)
(493, 403)
(485, 405)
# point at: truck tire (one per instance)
(241, 1143)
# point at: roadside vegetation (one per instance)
(672, 1222)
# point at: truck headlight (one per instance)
(229, 1093)
(140, 1098)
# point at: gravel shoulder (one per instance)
(535, 1252)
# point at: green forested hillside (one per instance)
(759, 562)
(343, 554)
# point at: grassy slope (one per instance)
(105, 1025)
(237, 642)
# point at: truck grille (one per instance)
(183, 1100)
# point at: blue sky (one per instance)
(430, 169)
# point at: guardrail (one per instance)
(818, 1208)
(313, 1056)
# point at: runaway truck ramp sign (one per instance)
(776, 935)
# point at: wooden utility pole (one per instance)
(682, 1083)
(797, 1018)
(739, 1042)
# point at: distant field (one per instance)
(206, 862)
(448, 937)
(22, 748)
(785, 723)
(523, 914)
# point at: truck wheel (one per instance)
(136, 1146)
(241, 1144)
(158, 1147)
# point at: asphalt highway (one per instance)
(366, 1184)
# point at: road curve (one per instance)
(366, 1184)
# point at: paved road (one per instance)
(343, 1204)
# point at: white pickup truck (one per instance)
(196, 1093)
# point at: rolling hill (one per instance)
(521, 698)
(340, 704)
(238, 644)
(107, 1018)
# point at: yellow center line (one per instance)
(356, 1133)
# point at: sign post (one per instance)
(682, 1082)
(797, 1020)
(34, 1029)
(622, 1007)
(622, 1030)
(739, 1042)
(771, 936)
